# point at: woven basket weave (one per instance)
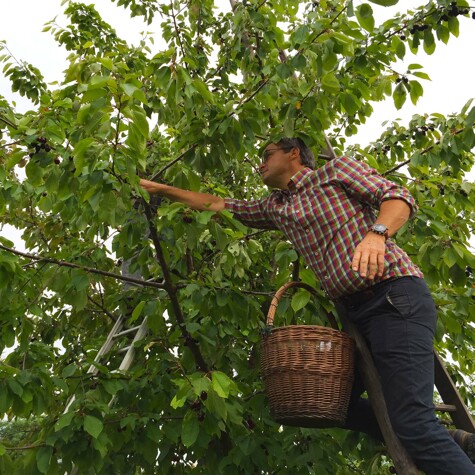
(308, 370)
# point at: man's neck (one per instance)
(284, 185)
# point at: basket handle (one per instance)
(278, 295)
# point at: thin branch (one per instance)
(6, 145)
(177, 31)
(8, 122)
(102, 308)
(169, 164)
(90, 270)
(428, 149)
(26, 447)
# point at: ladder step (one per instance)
(125, 332)
(445, 408)
(124, 349)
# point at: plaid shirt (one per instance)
(325, 213)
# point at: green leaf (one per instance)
(415, 91)
(399, 46)
(137, 311)
(69, 370)
(300, 34)
(283, 70)
(190, 429)
(421, 75)
(200, 384)
(399, 95)
(364, 14)
(154, 433)
(216, 405)
(385, 3)
(129, 88)
(470, 119)
(43, 458)
(221, 383)
(429, 42)
(93, 426)
(34, 172)
(454, 25)
(112, 386)
(350, 103)
(79, 153)
(140, 121)
(300, 300)
(203, 90)
(64, 420)
(181, 396)
(443, 33)
(330, 83)
(16, 387)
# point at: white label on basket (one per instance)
(325, 345)
(322, 346)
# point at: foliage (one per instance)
(195, 114)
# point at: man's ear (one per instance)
(295, 154)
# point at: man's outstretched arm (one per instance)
(193, 199)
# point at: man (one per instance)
(340, 218)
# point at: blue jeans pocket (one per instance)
(398, 298)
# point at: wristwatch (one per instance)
(380, 229)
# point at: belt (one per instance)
(354, 300)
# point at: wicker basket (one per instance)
(308, 370)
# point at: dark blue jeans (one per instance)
(398, 323)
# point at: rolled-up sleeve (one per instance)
(251, 213)
(365, 184)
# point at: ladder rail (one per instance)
(105, 348)
(461, 416)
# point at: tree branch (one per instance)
(90, 270)
(428, 149)
(172, 291)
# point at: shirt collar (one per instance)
(297, 180)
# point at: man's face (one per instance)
(275, 165)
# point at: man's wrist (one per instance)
(380, 229)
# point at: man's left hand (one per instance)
(368, 259)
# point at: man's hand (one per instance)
(149, 186)
(369, 256)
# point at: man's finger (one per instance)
(373, 265)
(380, 264)
(363, 267)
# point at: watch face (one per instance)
(381, 228)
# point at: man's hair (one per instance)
(306, 156)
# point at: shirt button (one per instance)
(327, 277)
